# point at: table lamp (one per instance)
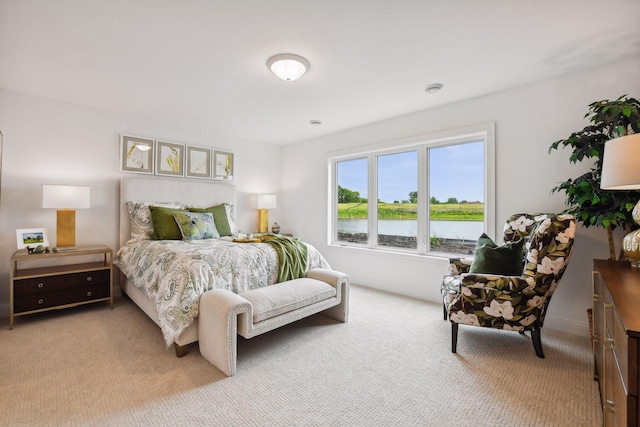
(66, 199)
(264, 202)
(621, 171)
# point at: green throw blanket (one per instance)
(292, 256)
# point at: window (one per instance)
(352, 206)
(398, 200)
(456, 197)
(431, 195)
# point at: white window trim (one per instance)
(484, 132)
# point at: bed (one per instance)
(165, 278)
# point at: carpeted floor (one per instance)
(391, 365)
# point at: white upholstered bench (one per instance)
(224, 314)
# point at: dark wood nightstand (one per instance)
(58, 281)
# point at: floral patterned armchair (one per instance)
(513, 303)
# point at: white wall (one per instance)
(528, 119)
(48, 141)
(51, 142)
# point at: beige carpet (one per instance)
(391, 365)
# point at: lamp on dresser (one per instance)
(621, 171)
(264, 202)
(66, 199)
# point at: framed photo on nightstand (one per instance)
(31, 237)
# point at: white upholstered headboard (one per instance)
(159, 189)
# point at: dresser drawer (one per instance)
(620, 346)
(37, 285)
(619, 398)
(33, 301)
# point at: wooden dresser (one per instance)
(616, 340)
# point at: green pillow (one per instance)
(219, 218)
(505, 260)
(196, 226)
(164, 224)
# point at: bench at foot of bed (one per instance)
(224, 314)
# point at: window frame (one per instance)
(422, 143)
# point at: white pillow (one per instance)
(140, 218)
(231, 216)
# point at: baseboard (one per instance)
(550, 322)
(406, 291)
(566, 325)
(4, 311)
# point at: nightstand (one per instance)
(57, 280)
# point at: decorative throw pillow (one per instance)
(164, 225)
(196, 226)
(220, 218)
(505, 260)
(231, 217)
(140, 218)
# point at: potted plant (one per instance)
(585, 200)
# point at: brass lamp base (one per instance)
(66, 227)
(263, 220)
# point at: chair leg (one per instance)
(537, 343)
(454, 337)
(444, 311)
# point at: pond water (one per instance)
(467, 230)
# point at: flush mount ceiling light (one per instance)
(434, 88)
(287, 66)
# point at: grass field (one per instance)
(452, 212)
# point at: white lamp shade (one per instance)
(621, 163)
(287, 66)
(264, 201)
(65, 197)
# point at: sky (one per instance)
(454, 171)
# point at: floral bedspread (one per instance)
(174, 273)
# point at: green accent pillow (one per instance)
(196, 226)
(164, 224)
(219, 218)
(505, 260)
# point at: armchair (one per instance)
(513, 303)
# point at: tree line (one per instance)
(350, 196)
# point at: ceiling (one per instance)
(204, 61)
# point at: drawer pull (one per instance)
(89, 293)
(41, 285)
(607, 341)
(40, 301)
(88, 278)
(609, 406)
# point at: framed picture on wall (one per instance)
(31, 237)
(198, 161)
(222, 165)
(136, 154)
(169, 158)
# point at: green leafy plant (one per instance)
(590, 204)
